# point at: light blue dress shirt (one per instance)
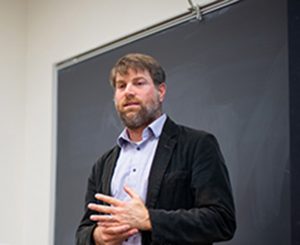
(134, 164)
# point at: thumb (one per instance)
(131, 192)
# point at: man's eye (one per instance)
(140, 82)
(120, 85)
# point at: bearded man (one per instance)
(162, 183)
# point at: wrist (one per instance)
(147, 226)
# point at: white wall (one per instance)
(12, 118)
(59, 29)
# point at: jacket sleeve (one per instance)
(211, 217)
(84, 233)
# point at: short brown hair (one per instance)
(138, 62)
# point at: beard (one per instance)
(142, 116)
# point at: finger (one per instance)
(106, 218)
(117, 234)
(102, 218)
(132, 232)
(131, 192)
(107, 224)
(116, 230)
(101, 208)
(108, 199)
(122, 230)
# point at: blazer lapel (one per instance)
(161, 160)
(109, 170)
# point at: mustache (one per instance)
(130, 101)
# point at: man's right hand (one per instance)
(112, 235)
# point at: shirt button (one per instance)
(138, 148)
(134, 170)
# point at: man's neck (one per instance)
(135, 134)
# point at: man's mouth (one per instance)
(130, 104)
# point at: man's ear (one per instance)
(162, 89)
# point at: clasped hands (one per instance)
(120, 220)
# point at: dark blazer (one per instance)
(189, 194)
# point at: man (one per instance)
(162, 183)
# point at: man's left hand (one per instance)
(133, 212)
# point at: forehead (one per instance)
(132, 74)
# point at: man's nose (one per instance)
(129, 90)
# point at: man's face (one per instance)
(137, 100)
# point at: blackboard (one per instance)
(228, 75)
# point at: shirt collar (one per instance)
(154, 128)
